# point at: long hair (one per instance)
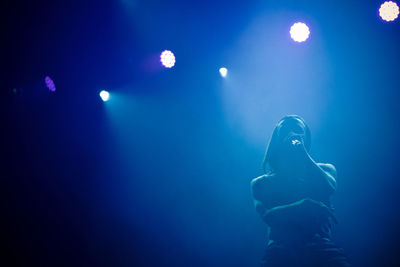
(270, 161)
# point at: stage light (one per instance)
(299, 32)
(223, 71)
(50, 84)
(105, 96)
(389, 11)
(167, 58)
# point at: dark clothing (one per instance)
(302, 236)
(283, 191)
(318, 252)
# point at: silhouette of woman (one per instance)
(293, 198)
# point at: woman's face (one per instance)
(291, 127)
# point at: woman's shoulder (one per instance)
(330, 168)
(262, 186)
(263, 180)
(326, 165)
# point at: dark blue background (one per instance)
(159, 175)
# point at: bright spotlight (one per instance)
(389, 11)
(299, 32)
(223, 71)
(105, 96)
(167, 58)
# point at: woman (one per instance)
(293, 198)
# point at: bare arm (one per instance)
(262, 191)
(322, 175)
(297, 212)
(300, 212)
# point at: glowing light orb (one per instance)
(167, 58)
(105, 96)
(389, 11)
(50, 84)
(223, 71)
(299, 32)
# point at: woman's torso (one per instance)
(282, 191)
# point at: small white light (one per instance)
(105, 96)
(167, 58)
(389, 11)
(223, 71)
(299, 32)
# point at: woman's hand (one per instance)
(293, 147)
